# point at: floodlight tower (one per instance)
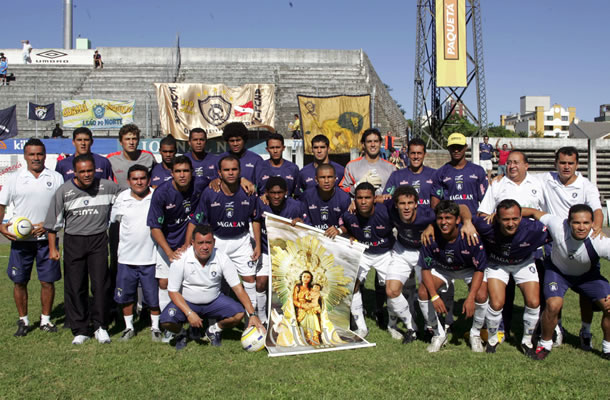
(430, 96)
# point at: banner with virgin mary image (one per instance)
(312, 280)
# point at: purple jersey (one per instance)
(486, 151)
(229, 216)
(207, 167)
(171, 211)
(291, 209)
(374, 231)
(324, 214)
(288, 171)
(103, 168)
(514, 249)
(160, 174)
(421, 182)
(456, 256)
(464, 186)
(250, 164)
(307, 175)
(409, 234)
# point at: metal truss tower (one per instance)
(429, 100)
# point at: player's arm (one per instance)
(437, 302)
(194, 319)
(598, 221)
(53, 251)
(348, 181)
(527, 212)
(468, 230)
(4, 227)
(256, 228)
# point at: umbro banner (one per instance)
(8, 123)
(451, 43)
(97, 114)
(184, 106)
(312, 280)
(41, 112)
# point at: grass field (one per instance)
(43, 365)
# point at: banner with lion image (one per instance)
(312, 280)
(342, 119)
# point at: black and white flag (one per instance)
(41, 112)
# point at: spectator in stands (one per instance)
(295, 127)
(97, 60)
(57, 132)
(503, 152)
(27, 49)
(3, 69)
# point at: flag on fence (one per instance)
(41, 112)
(8, 123)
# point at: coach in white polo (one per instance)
(30, 190)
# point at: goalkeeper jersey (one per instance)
(361, 170)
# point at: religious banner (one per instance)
(97, 114)
(342, 119)
(451, 43)
(184, 106)
(40, 112)
(312, 280)
(8, 123)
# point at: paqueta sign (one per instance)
(451, 67)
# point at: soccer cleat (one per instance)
(585, 340)
(156, 335)
(527, 349)
(214, 338)
(606, 356)
(491, 348)
(410, 337)
(80, 339)
(539, 354)
(362, 332)
(476, 344)
(48, 328)
(194, 333)
(167, 337)
(127, 334)
(22, 329)
(558, 336)
(102, 336)
(436, 343)
(395, 333)
(179, 341)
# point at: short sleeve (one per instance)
(156, 218)
(437, 185)
(592, 196)
(488, 204)
(229, 272)
(176, 275)
(6, 193)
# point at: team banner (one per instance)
(41, 112)
(342, 119)
(184, 106)
(451, 43)
(312, 279)
(8, 123)
(97, 114)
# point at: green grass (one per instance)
(47, 365)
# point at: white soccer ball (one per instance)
(21, 227)
(252, 340)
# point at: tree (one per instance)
(389, 89)
(457, 123)
(500, 131)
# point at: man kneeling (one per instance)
(194, 288)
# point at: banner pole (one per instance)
(36, 96)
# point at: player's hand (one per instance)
(496, 179)
(597, 231)
(332, 232)
(5, 232)
(439, 306)
(380, 198)
(215, 185)
(194, 320)
(490, 218)
(248, 186)
(253, 320)
(427, 236)
(256, 254)
(469, 233)
(264, 198)
(468, 307)
(53, 253)
(38, 230)
(352, 207)
(295, 220)
(174, 255)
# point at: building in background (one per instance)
(600, 129)
(604, 113)
(538, 118)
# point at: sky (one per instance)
(531, 47)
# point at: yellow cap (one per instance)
(456, 138)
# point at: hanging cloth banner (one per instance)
(39, 112)
(8, 123)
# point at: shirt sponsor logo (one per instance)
(461, 197)
(473, 176)
(69, 193)
(466, 252)
(86, 211)
(170, 206)
(524, 244)
(245, 203)
(313, 207)
(380, 227)
(249, 165)
(229, 224)
(447, 178)
(337, 209)
(215, 204)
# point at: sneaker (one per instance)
(362, 332)
(539, 354)
(476, 344)
(436, 343)
(606, 356)
(491, 348)
(80, 339)
(558, 336)
(410, 336)
(167, 337)
(102, 336)
(22, 329)
(395, 333)
(585, 340)
(179, 341)
(156, 335)
(527, 349)
(214, 338)
(48, 328)
(194, 333)
(127, 334)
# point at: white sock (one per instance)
(358, 311)
(250, 288)
(215, 328)
(547, 344)
(46, 319)
(410, 293)
(154, 321)
(493, 320)
(430, 317)
(478, 319)
(164, 299)
(261, 306)
(128, 321)
(530, 319)
(400, 306)
(25, 320)
(586, 328)
(606, 346)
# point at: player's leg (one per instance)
(97, 264)
(380, 299)
(125, 294)
(400, 269)
(19, 270)
(596, 288)
(480, 311)
(240, 250)
(49, 272)
(172, 320)
(262, 287)
(586, 317)
(227, 312)
(398, 309)
(162, 274)
(604, 304)
(439, 282)
(76, 286)
(526, 277)
(357, 307)
(150, 295)
(497, 279)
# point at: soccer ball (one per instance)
(21, 227)
(252, 339)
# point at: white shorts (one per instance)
(239, 250)
(263, 265)
(162, 267)
(524, 272)
(447, 276)
(380, 262)
(404, 261)
(486, 164)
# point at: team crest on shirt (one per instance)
(213, 273)
(553, 286)
(574, 195)
(459, 182)
(86, 202)
(367, 232)
(534, 191)
(230, 209)
(119, 292)
(449, 255)
(324, 213)
(49, 183)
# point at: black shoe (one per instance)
(539, 354)
(410, 337)
(526, 349)
(22, 329)
(214, 338)
(491, 348)
(194, 333)
(606, 356)
(428, 335)
(179, 341)
(585, 340)
(48, 328)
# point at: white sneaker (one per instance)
(167, 337)
(476, 344)
(362, 332)
(80, 339)
(436, 343)
(102, 335)
(395, 333)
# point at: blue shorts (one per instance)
(221, 308)
(127, 279)
(591, 284)
(21, 261)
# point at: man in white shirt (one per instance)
(137, 253)
(30, 190)
(195, 290)
(574, 264)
